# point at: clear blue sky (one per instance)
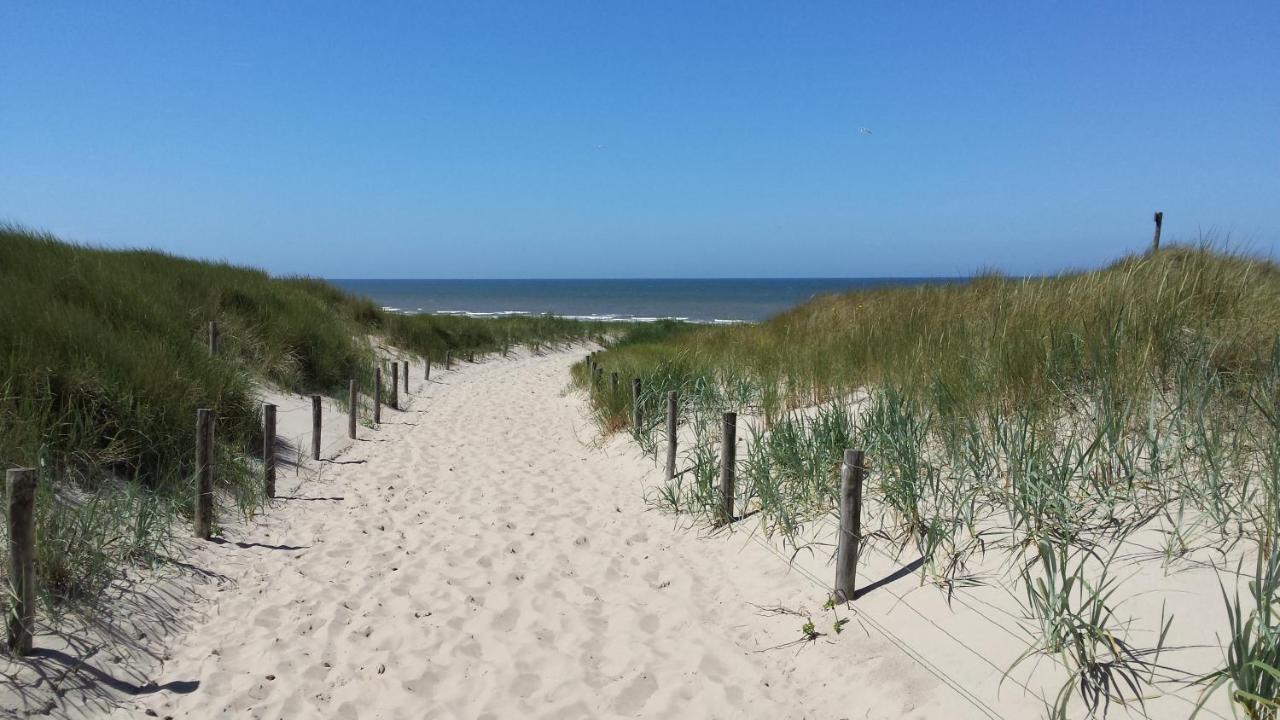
(612, 139)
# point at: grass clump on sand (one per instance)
(1044, 418)
(103, 362)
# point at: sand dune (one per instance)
(481, 554)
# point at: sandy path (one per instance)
(474, 558)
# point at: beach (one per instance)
(483, 554)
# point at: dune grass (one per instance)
(1040, 418)
(103, 362)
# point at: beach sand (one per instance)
(484, 554)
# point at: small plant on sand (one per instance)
(1252, 665)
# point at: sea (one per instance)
(702, 301)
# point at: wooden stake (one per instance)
(353, 400)
(20, 486)
(269, 449)
(427, 374)
(377, 395)
(728, 461)
(635, 403)
(204, 473)
(671, 434)
(213, 338)
(448, 359)
(406, 378)
(315, 427)
(850, 526)
(395, 385)
(1155, 241)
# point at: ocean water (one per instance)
(707, 301)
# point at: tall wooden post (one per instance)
(395, 385)
(213, 338)
(635, 404)
(204, 473)
(448, 359)
(850, 525)
(20, 488)
(269, 449)
(377, 395)
(315, 427)
(728, 463)
(353, 400)
(1155, 241)
(671, 434)
(406, 377)
(426, 375)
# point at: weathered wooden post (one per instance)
(613, 382)
(204, 473)
(728, 461)
(377, 395)
(395, 385)
(353, 400)
(213, 338)
(635, 403)
(406, 377)
(471, 357)
(426, 375)
(671, 434)
(20, 487)
(315, 427)
(850, 525)
(448, 359)
(1155, 241)
(597, 375)
(269, 449)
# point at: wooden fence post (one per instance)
(426, 375)
(1155, 241)
(635, 404)
(597, 375)
(850, 525)
(406, 377)
(448, 359)
(395, 385)
(354, 401)
(671, 435)
(315, 427)
(204, 473)
(377, 395)
(728, 461)
(269, 449)
(20, 486)
(213, 338)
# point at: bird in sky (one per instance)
(864, 131)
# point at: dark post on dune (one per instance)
(204, 473)
(377, 395)
(269, 449)
(850, 525)
(426, 374)
(213, 338)
(728, 459)
(671, 434)
(406, 376)
(448, 359)
(395, 385)
(20, 489)
(1155, 240)
(352, 402)
(635, 404)
(315, 427)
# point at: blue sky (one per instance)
(599, 139)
